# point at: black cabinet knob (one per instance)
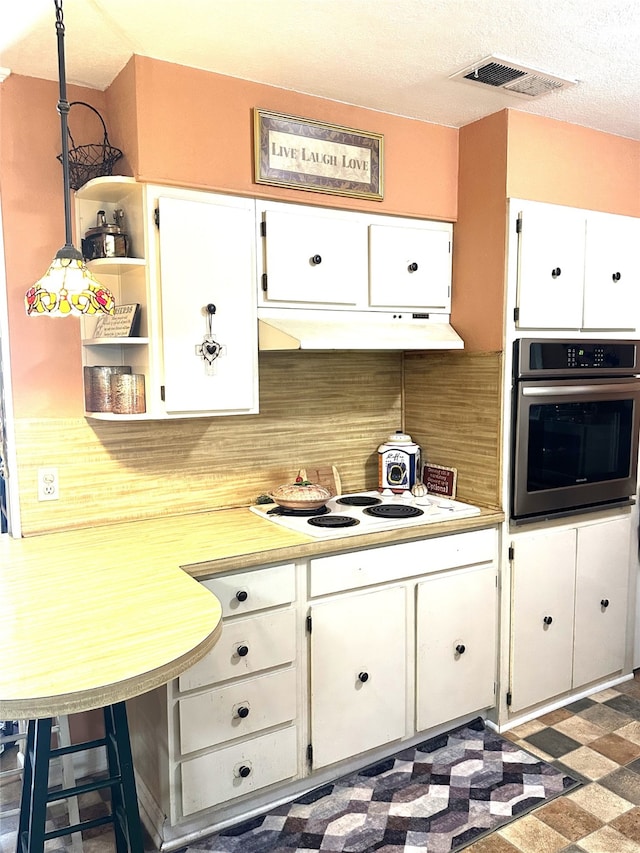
(413, 267)
(243, 651)
(243, 712)
(461, 648)
(548, 620)
(363, 676)
(556, 272)
(616, 276)
(605, 602)
(242, 595)
(316, 259)
(244, 771)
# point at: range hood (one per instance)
(317, 329)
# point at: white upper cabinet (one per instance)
(577, 269)
(314, 258)
(612, 272)
(410, 267)
(208, 309)
(187, 250)
(550, 268)
(346, 260)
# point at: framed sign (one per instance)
(440, 480)
(123, 324)
(310, 155)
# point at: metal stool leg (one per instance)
(35, 786)
(124, 800)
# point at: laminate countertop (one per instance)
(203, 544)
(97, 615)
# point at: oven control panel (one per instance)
(553, 357)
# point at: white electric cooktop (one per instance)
(365, 512)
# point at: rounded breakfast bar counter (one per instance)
(90, 618)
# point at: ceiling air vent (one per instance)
(518, 80)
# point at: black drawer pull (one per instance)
(242, 651)
(243, 712)
(315, 260)
(461, 648)
(244, 771)
(363, 676)
(605, 602)
(616, 276)
(242, 595)
(548, 620)
(413, 267)
(556, 272)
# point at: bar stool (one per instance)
(120, 779)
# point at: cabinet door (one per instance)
(543, 588)
(315, 259)
(207, 257)
(550, 268)
(612, 272)
(456, 645)
(358, 674)
(409, 267)
(602, 576)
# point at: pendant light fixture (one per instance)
(67, 288)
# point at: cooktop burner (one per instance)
(358, 500)
(334, 521)
(393, 511)
(298, 513)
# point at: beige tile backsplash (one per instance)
(315, 408)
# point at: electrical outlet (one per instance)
(48, 484)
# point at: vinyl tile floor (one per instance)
(596, 739)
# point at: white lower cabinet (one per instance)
(570, 599)
(358, 673)
(455, 645)
(322, 666)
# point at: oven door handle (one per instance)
(580, 390)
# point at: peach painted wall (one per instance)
(195, 129)
(567, 164)
(479, 237)
(45, 353)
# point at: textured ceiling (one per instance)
(389, 55)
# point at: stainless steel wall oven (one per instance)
(576, 418)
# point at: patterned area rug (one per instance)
(438, 796)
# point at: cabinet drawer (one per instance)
(244, 592)
(216, 777)
(219, 715)
(406, 560)
(269, 640)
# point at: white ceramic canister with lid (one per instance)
(398, 463)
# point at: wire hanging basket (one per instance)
(90, 161)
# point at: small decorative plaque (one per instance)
(123, 323)
(440, 480)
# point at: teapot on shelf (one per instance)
(106, 240)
